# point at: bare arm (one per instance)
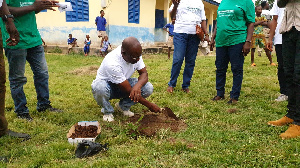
(14, 36)
(37, 6)
(203, 26)
(247, 45)
(272, 27)
(135, 92)
(174, 10)
(212, 43)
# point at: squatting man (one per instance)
(113, 80)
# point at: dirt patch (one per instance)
(232, 110)
(149, 123)
(85, 131)
(91, 70)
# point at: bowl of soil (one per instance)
(84, 130)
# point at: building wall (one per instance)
(54, 29)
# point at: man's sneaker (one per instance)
(282, 97)
(25, 116)
(108, 117)
(216, 98)
(292, 132)
(50, 108)
(127, 113)
(281, 122)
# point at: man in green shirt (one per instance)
(29, 48)
(232, 37)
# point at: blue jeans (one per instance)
(234, 55)
(291, 65)
(37, 61)
(104, 91)
(185, 48)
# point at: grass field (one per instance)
(214, 137)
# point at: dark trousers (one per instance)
(291, 64)
(234, 55)
(3, 122)
(280, 72)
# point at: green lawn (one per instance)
(214, 137)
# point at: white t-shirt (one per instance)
(189, 14)
(266, 14)
(1, 1)
(115, 69)
(280, 12)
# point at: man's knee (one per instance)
(100, 89)
(147, 90)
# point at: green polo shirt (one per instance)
(232, 19)
(26, 25)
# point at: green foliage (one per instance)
(214, 137)
(56, 49)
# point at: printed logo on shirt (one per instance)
(22, 4)
(197, 11)
(226, 13)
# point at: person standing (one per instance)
(29, 48)
(232, 36)
(188, 14)
(275, 24)
(11, 41)
(170, 26)
(290, 30)
(101, 23)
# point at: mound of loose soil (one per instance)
(149, 123)
(85, 131)
(91, 70)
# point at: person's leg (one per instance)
(38, 64)
(126, 102)
(169, 52)
(280, 73)
(268, 53)
(237, 62)
(180, 45)
(101, 90)
(3, 122)
(222, 60)
(190, 57)
(17, 59)
(252, 57)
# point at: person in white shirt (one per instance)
(113, 80)
(275, 24)
(188, 14)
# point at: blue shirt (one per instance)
(71, 40)
(171, 28)
(101, 22)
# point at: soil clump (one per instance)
(149, 123)
(85, 131)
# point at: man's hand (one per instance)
(40, 5)
(246, 48)
(176, 2)
(135, 94)
(212, 44)
(270, 45)
(207, 39)
(14, 36)
(154, 108)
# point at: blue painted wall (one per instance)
(59, 35)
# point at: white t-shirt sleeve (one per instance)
(115, 74)
(275, 9)
(203, 17)
(1, 1)
(140, 64)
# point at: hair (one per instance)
(257, 6)
(70, 34)
(101, 11)
(263, 4)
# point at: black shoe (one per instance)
(232, 101)
(50, 108)
(18, 135)
(216, 98)
(25, 116)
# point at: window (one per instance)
(134, 11)
(80, 11)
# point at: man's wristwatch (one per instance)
(248, 41)
(5, 17)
